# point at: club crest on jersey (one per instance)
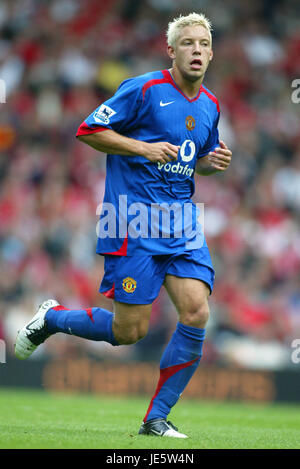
(129, 284)
(103, 114)
(190, 123)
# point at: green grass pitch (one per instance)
(33, 419)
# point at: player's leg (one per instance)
(132, 308)
(127, 325)
(131, 322)
(183, 353)
(190, 297)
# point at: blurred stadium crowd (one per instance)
(60, 59)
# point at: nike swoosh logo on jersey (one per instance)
(165, 104)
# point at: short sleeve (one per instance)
(119, 113)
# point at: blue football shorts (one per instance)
(138, 279)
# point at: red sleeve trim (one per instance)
(84, 129)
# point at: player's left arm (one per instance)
(215, 161)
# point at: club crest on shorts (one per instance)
(129, 284)
(190, 122)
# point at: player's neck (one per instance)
(189, 88)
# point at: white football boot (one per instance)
(34, 332)
(160, 427)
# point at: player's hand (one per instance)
(161, 152)
(220, 158)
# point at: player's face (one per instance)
(192, 52)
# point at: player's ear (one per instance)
(171, 52)
(211, 54)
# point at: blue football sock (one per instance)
(178, 364)
(90, 323)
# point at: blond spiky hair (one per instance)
(193, 19)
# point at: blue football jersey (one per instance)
(147, 207)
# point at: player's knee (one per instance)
(131, 335)
(196, 316)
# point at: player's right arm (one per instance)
(106, 128)
(109, 141)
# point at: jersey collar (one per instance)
(167, 75)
